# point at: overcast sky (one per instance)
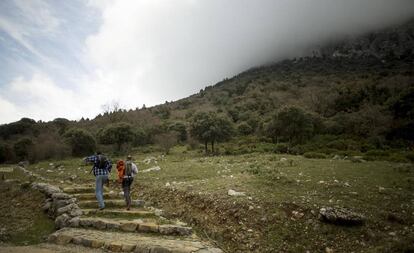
(68, 58)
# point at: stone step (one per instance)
(119, 213)
(131, 242)
(92, 196)
(79, 189)
(110, 203)
(133, 225)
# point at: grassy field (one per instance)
(283, 195)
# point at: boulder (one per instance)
(61, 195)
(66, 209)
(62, 221)
(74, 222)
(340, 216)
(57, 204)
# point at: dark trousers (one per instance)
(126, 187)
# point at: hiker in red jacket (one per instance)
(130, 170)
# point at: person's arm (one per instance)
(109, 165)
(90, 159)
(134, 168)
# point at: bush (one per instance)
(281, 148)
(410, 156)
(398, 158)
(314, 155)
(298, 150)
(377, 153)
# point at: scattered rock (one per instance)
(235, 193)
(156, 168)
(337, 157)
(329, 250)
(382, 190)
(340, 216)
(297, 215)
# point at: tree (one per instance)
(244, 129)
(118, 133)
(62, 124)
(180, 128)
(81, 142)
(140, 137)
(166, 141)
(22, 147)
(209, 127)
(113, 111)
(292, 124)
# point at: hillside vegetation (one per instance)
(351, 97)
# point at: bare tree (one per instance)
(113, 111)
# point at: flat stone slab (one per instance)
(109, 203)
(119, 212)
(79, 189)
(134, 225)
(92, 196)
(341, 216)
(6, 169)
(130, 242)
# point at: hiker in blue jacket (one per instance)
(101, 169)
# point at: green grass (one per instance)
(35, 233)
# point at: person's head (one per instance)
(98, 152)
(129, 158)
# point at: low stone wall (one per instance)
(60, 206)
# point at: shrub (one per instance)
(298, 150)
(314, 155)
(410, 156)
(398, 158)
(281, 148)
(377, 153)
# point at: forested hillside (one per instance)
(354, 96)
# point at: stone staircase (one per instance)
(141, 229)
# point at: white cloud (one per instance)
(41, 99)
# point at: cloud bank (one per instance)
(151, 51)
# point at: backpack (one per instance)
(128, 169)
(120, 167)
(102, 161)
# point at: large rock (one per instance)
(74, 222)
(62, 221)
(46, 189)
(61, 195)
(341, 216)
(67, 209)
(57, 204)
